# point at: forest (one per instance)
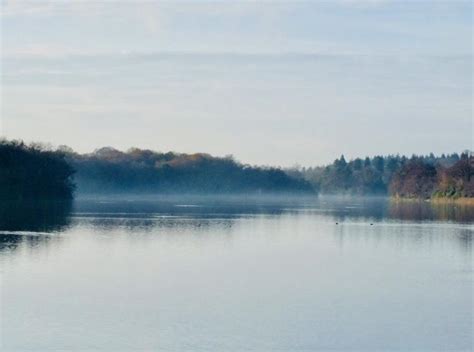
(36, 172)
(445, 176)
(32, 172)
(108, 171)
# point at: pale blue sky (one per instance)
(269, 82)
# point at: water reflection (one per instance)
(154, 223)
(220, 216)
(374, 208)
(433, 221)
(12, 242)
(195, 273)
(55, 217)
(148, 216)
(421, 237)
(202, 207)
(465, 240)
(29, 223)
(34, 216)
(419, 210)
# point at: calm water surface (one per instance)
(236, 275)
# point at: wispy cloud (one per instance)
(275, 72)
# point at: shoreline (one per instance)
(436, 200)
(459, 201)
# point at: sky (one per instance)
(269, 82)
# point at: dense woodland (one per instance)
(109, 171)
(416, 177)
(30, 172)
(35, 172)
(424, 180)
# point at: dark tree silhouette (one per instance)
(33, 173)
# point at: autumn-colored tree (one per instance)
(457, 180)
(416, 179)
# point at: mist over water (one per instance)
(234, 273)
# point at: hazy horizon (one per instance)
(272, 83)
(270, 241)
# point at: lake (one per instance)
(236, 275)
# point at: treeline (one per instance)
(31, 172)
(137, 171)
(415, 177)
(418, 179)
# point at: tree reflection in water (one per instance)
(31, 222)
(421, 210)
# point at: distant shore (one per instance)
(438, 200)
(447, 200)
